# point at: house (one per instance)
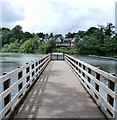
(60, 39)
(46, 38)
(67, 40)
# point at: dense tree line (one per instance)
(16, 40)
(99, 40)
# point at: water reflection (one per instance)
(10, 61)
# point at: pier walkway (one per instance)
(58, 94)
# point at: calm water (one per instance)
(10, 61)
(107, 64)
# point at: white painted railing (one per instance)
(92, 78)
(57, 56)
(15, 84)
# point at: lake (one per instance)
(10, 61)
(104, 63)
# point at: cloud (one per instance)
(59, 16)
(11, 13)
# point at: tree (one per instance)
(58, 35)
(29, 46)
(27, 35)
(14, 47)
(109, 29)
(6, 35)
(114, 45)
(77, 40)
(70, 35)
(17, 31)
(48, 46)
(26, 47)
(40, 35)
(51, 35)
(81, 33)
(92, 30)
(91, 45)
(5, 29)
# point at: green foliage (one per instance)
(29, 46)
(70, 35)
(14, 47)
(66, 50)
(48, 46)
(95, 41)
(26, 47)
(5, 48)
(108, 29)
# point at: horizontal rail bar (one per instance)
(11, 94)
(90, 76)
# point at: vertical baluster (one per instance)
(115, 88)
(97, 76)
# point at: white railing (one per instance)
(15, 84)
(57, 56)
(92, 78)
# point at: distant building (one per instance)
(58, 40)
(67, 40)
(46, 38)
(61, 41)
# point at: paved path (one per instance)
(58, 94)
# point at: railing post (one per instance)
(57, 57)
(63, 56)
(20, 77)
(105, 96)
(116, 98)
(50, 56)
(4, 73)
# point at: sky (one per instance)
(56, 16)
(116, 16)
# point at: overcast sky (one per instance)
(57, 16)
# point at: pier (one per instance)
(58, 86)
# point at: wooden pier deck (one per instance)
(58, 94)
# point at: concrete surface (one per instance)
(58, 94)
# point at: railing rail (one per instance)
(15, 84)
(92, 78)
(57, 56)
